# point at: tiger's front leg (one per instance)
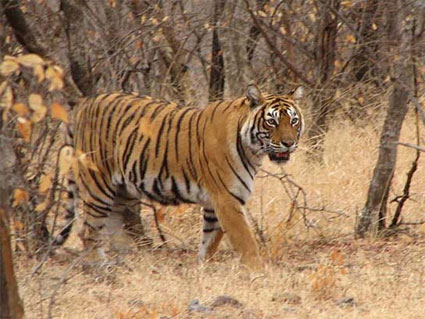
(231, 216)
(211, 235)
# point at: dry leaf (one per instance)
(65, 160)
(9, 67)
(350, 38)
(6, 95)
(20, 109)
(42, 206)
(30, 60)
(45, 183)
(55, 75)
(36, 104)
(24, 128)
(39, 72)
(59, 112)
(20, 196)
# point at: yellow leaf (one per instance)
(20, 196)
(24, 128)
(42, 206)
(347, 3)
(65, 160)
(39, 72)
(262, 14)
(45, 183)
(30, 60)
(59, 112)
(350, 38)
(55, 75)
(36, 104)
(374, 27)
(6, 95)
(9, 67)
(20, 109)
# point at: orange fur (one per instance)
(145, 148)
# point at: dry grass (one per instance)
(319, 271)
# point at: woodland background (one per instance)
(350, 198)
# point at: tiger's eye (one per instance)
(271, 122)
(294, 121)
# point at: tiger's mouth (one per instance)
(279, 157)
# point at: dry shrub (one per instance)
(324, 279)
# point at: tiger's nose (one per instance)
(288, 143)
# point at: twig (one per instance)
(155, 215)
(417, 147)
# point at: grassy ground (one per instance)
(315, 267)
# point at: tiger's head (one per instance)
(275, 124)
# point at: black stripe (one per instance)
(186, 181)
(209, 230)
(144, 161)
(128, 149)
(209, 219)
(230, 192)
(112, 110)
(241, 153)
(158, 139)
(215, 110)
(103, 211)
(102, 190)
(176, 191)
(237, 175)
(158, 109)
(190, 161)
(177, 132)
(198, 135)
(121, 115)
(94, 196)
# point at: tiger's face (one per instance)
(277, 123)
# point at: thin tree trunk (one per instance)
(372, 217)
(22, 30)
(325, 60)
(78, 58)
(216, 91)
(254, 33)
(10, 303)
(364, 65)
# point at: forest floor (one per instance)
(315, 268)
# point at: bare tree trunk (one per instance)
(78, 57)
(374, 212)
(10, 303)
(22, 30)
(372, 218)
(325, 49)
(254, 33)
(364, 64)
(216, 91)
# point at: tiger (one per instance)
(144, 148)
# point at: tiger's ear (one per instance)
(254, 95)
(298, 93)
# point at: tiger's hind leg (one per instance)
(211, 235)
(125, 225)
